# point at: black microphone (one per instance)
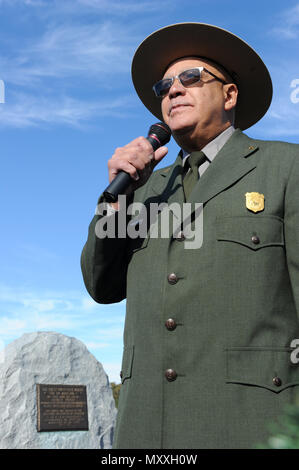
(158, 135)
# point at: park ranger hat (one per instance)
(176, 41)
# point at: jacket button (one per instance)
(170, 324)
(170, 375)
(172, 278)
(277, 381)
(121, 374)
(255, 239)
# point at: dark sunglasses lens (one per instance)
(162, 87)
(188, 77)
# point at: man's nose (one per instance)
(176, 89)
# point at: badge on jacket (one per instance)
(255, 202)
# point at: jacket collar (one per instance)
(230, 164)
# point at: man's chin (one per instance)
(179, 129)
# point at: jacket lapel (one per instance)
(168, 183)
(230, 165)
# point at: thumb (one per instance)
(160, 154)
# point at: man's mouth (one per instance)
(177, 106)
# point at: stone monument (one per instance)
(54, 394)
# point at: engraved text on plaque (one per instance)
(61, 407)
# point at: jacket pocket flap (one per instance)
(269, 368)
(127, 362)
(255, 232)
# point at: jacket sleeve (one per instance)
(104, 262)
(291, 227)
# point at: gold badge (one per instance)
(255, 202)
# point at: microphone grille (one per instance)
(161, 131)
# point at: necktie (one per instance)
(194, 160)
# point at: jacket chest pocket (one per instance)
(254, 232)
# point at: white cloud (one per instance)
(107, 6)
(110, 333)
(28, 110)
(24, 310)
(24, 2)
(288, 23)
(280, 122)
(39, 305)
(18, 300)
(82, 49)
(88, 303)
(48, 79)
(55, 322)
(85, 51)
(121, 7)
(9, 326)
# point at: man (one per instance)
(207, 356)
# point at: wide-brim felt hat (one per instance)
(176, 41)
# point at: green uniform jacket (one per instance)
(234, 302)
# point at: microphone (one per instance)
(158, 135)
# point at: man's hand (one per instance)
(138, 160)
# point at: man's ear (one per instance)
(231, 96)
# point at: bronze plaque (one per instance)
(61, 407)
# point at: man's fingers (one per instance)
(123, 165)
(159, 154)
(137, 159)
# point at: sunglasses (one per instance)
(186, 78)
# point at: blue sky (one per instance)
(69, 102)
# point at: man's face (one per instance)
(199, 108)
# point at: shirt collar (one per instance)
(213, 147)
